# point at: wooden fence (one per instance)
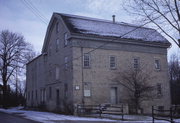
(167, 115)
(100, 109)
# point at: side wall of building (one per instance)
(98, 78)
(50, 74)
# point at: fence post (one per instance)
(171, 115)
(100, 110)
(122, 110)
(153, 114)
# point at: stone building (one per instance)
(79, 59)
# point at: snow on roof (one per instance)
(91, 26)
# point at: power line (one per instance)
(34, 11)
(30, 3)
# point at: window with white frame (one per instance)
(57, 44)
(157, 64)
(86, 60)
(57, 73)
(66, 62)
(136, 63)
(65, 39)
(112, 60)
(57, 27)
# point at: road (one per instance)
(10, 118)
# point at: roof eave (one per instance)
(121, 40)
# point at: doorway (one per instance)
(113, 95)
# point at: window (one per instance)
(57, 73)
(50, 92)
(157, 64)
(136, 63)
(86, 60)
(87, 89)
(57, 27)
(65, 39)
(66, 62)
(159, 89)
(32, 95)
(161, 108)
(112, 62)
(36, 95)
(28, 95)
(57, 44)
(65, 90)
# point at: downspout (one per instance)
(82, 74)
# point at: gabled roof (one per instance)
(91, 26)
(102, 28)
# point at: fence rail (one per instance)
(100, 109)
(167, 115)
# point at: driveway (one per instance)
(11, 118)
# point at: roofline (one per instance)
(103, 20)
(119, 40)
(34, 59)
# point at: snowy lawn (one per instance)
(47, 117)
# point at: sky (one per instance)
(31, 17)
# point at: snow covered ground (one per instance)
(47, 117)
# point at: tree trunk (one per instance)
(5, 95)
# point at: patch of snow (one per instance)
(47, 117)
(101, 28)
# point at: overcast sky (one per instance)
(30, 17)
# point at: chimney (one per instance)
(113, 16)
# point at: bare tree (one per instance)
(13, 50)
(138, 84)
(164, 14)
(174, 71)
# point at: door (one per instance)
(57, 97)
(113, 95)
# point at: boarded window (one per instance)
(87, 89)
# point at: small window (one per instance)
(136, 63)
(57, 27)
(50, 92)
(159, 89)
(57, 72)
(57, 44)
(65, 90)
(86, 60)
(65, 39)
(157, 64)
(112, 62)
(36, 95)
(66, 62)
(32, 95)
(161, 108)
